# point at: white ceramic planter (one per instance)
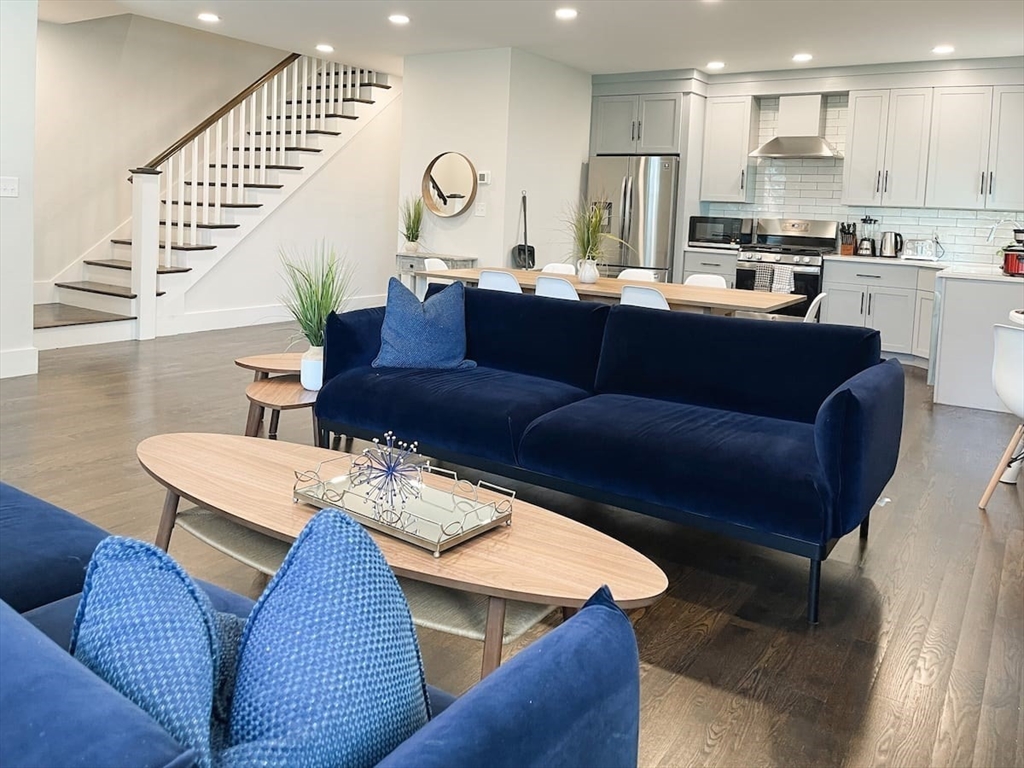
(311, 369)
(586, 271)
(411, 247)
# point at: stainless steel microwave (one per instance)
(720, 232)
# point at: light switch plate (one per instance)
(8, 186)
(483, 177)
(480, 210)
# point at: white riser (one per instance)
(96, 301)
(83, 335)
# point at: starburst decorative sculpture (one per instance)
(392, 476)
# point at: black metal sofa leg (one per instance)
(813, 588)
(864, 528)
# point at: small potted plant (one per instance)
(412, 222)
(316, 285)
(585, 221)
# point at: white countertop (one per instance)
(987, 272)
(883, 260)
(713, 251)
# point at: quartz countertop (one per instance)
(884, 260)
(989, 272)
(713, 251)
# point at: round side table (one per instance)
(280, 393)
(287, 363)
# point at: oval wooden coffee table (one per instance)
(542, 558)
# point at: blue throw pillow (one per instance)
(328, 668)
(429, 334)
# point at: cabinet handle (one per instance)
(743, 178)
(862, 302)
(991, 182)
(885, 186)
(869, 303)
(639, 129)
(632, 131)
(878, 183)
(982, 183)
(709, 264)
(875, 276)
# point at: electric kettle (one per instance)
(866, 247)
(892, 244)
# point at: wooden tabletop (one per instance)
(542, 557)
(677, 295)
(278, 362)
(281, 393)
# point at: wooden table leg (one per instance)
(1001, 467)
(252, 422)
(167, 517)
(493, 632)
(259, 376)
(275, 415)
(316, 428)
(568, 613)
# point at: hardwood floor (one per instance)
(918, 660)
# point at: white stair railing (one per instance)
(234, 148)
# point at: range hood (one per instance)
(799, 133)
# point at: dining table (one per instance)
(690, 298)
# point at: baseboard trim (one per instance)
(19, 362)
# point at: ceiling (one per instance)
(609, 35)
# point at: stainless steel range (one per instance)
(798, 245)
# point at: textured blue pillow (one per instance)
(429, 334)
(328, 669)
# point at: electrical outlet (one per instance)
(8, 186)
(480, 210)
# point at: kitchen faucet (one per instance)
(992, 232)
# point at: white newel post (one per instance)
(145, 246)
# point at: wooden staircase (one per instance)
(216, 184)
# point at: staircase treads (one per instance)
(201, 226)
(361, 85)
(91, 286)
(309, 117)
(174, 246)
(247, 185)
(126, 265)
(60, 315)
(279, 149)
(308, 132)
(211, 205)
(268, 166)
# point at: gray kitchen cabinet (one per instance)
(844, 305)
(923, 324)
(710, 263)
(1005, 190)
(891, 311)
(730, 134)
(647, 124)
(883, 297)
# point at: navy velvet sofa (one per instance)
(571, 698)
(782, 434)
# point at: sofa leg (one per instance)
(864, 528)
(813, 588)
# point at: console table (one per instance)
(410, 263)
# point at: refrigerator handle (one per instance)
(628, 218)
(622, 212)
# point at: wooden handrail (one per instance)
(246, 92)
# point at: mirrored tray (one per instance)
(436, 511)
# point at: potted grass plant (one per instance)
(412, 222)
(315, 285)
(585, 221)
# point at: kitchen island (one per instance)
(970, 300)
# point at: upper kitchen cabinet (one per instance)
(887, 147)
(730, 134)
(629, 125)
(977, 148)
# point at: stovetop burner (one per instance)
(789, 250)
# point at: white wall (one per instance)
(548, 145)
(18, 356)
(350, 203)
(112, 94)
(458, 102)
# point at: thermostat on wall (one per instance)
(483, 177)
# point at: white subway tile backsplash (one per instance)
(813, 188)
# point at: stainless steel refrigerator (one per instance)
(638, 197)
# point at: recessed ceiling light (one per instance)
(802, 57)
(716, 64)
(209, 17)
(324, 48)
(398, 18)
(943, 49)
(566, 14)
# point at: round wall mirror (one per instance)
(449, 184)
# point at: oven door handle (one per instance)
(750, 267)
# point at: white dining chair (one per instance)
(492, 280)
(706, 281)
(434, 265)
(814, 310)
(555, 288)
(638, 274)
(560, 269)
(1008, 382)
(642, 296)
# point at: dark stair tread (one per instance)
(310, 117)
(222, 205)
(356, 100)
(247, 185)
(126, 265)
(105, 289)
(174, 246)
(268, 166)
(286, 149)
(201, 226)
(62, 315)
(361, 85)
(308, 132)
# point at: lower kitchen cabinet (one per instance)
(891, 311)
(923, 324)
(710, 263)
